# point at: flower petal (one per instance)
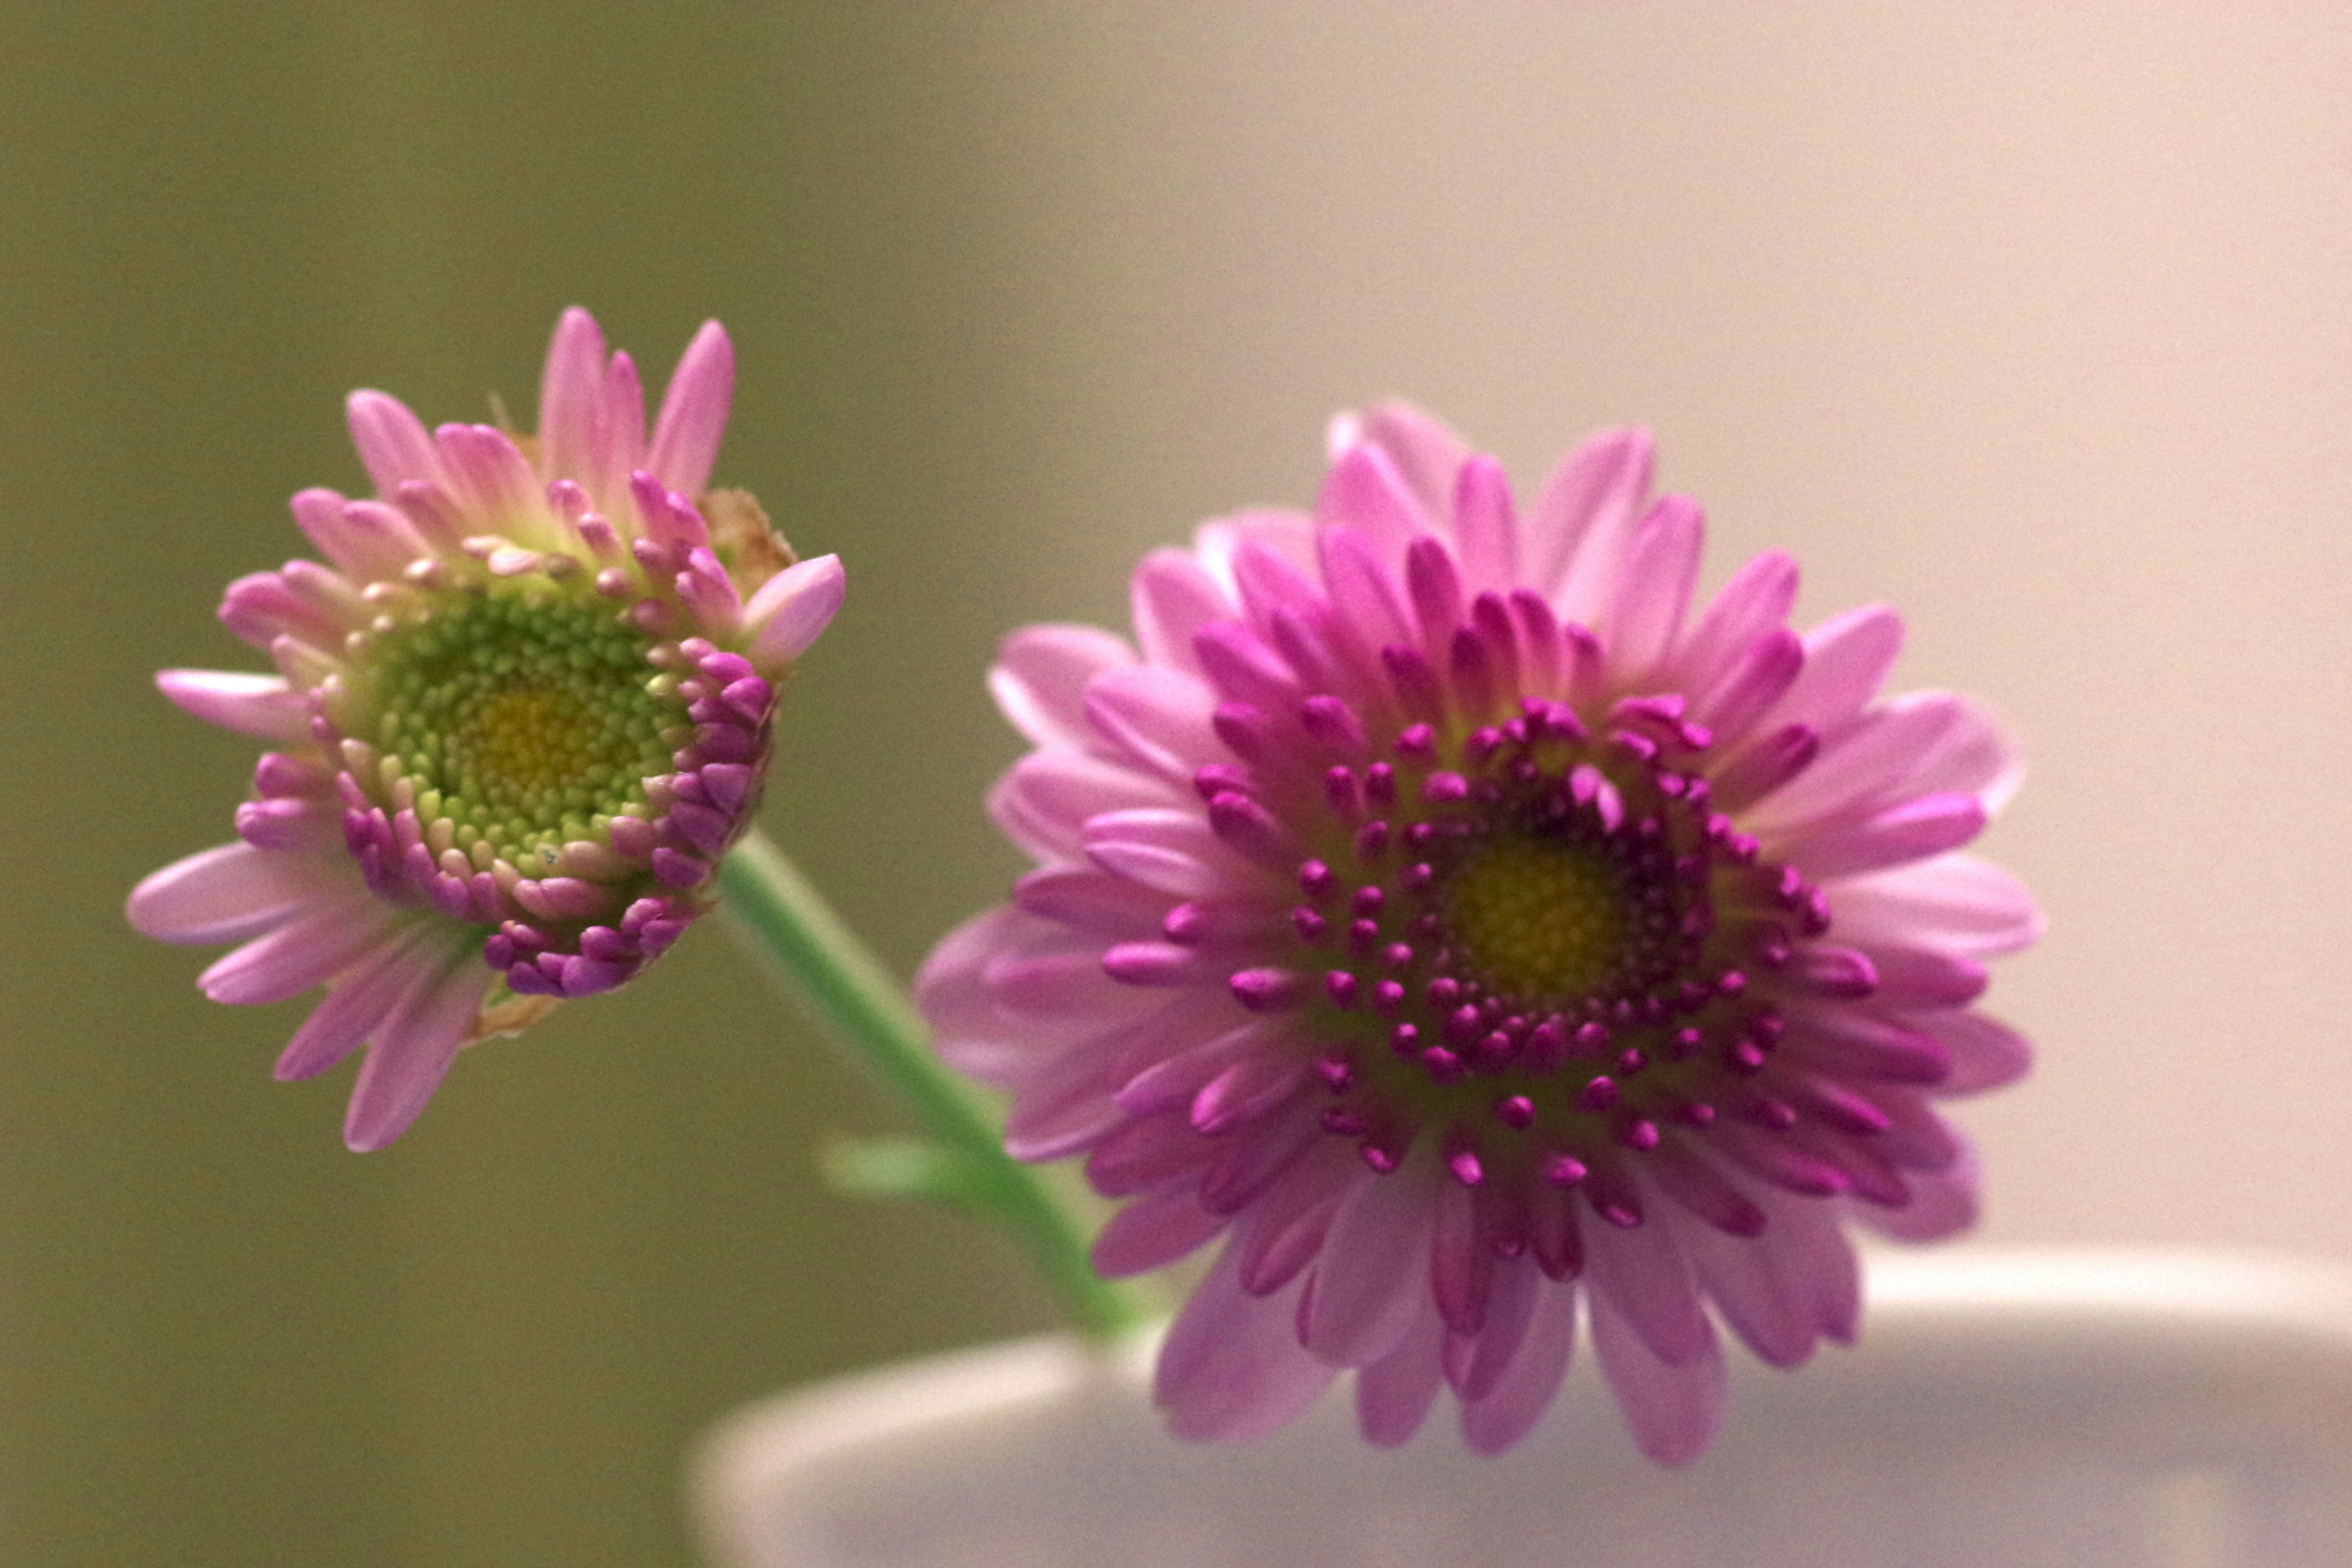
(1041, 676)
(1583, 519)
(1231, 1368)
(229, 893)
(1673, 1410)
(792, 609)
(694, 414)
(413, 1049)
(261, 706)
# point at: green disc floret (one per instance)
(523, 717)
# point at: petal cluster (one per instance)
(1486, 945)
(520, 711)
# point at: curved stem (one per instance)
(844, 990)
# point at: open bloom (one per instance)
(518, 717)
(1436, 908)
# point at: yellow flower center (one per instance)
(1537, 917)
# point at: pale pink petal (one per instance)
(1395, 1392)
(1868, 766)
(1673, 1411)
(1485, 526)
(1423, 449)
(261, 706)
(1645, 1274)
(694, 412)
(1153, 1232)
(307, 951)
(369, 541)
(1780, 1292)
(1974, 757)
(1364, 493)
(1755, 603)
(1373, 1278)
(1174, 597)
(413, 1048)
(1847, 659)
(1527, 1387)
(790, 610)
(617, 438)
(1476, 1363)
(1231, 1368)
(1901, 834)
(1162, 718)
(1942, 1204)
(1282, 531)
(1041, 676)
(1986, 1053)
(1642, 619)
(1361, 589)
(360, 1001)
(392, 442)
(569, 390)
(229, 893)
(1583, 519)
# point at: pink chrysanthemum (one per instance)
(1473, 937)
(516, 721)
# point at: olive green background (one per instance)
(222, 1339)
(2034, 321)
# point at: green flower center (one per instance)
(527, 719)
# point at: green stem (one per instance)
(844, 990)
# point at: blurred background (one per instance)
(2034, 324)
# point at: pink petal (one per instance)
(1153, 1232)
(694, 412)
(1644, 616)
(413, 1049)
(1913, 831)
(1673, 1411)
(1361, 587)
(229, 893)
(1847, 659)
(1780, 1292)
(306, 951)
(1041, 676)
(1867, 766)
(617, 438)
(1582, 519)
(1754, 603)
(392, 442)
(792, 609)
(1485, 526)
(1231, 1368)
(1174, 597)
(1424, 450)
(1364, 492)
(569, 391)
(1974, 757)
(369, 541)
(1373, 1276)
(1159, 717)
(1476, 1363)
(1645, 1274)
(1528, 1387)
(262, 706)
(359, 1001)
(1942, 1204)
(1393, 1395)
(1986, 1053)
(1093, 902)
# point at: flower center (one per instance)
(1538, 916)
(525, 717)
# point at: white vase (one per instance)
(2004, 1410)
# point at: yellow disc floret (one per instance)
(1538, 916)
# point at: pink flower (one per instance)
(1472, 937)
(517, 720)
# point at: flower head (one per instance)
(1434, 907)
(518, 714)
